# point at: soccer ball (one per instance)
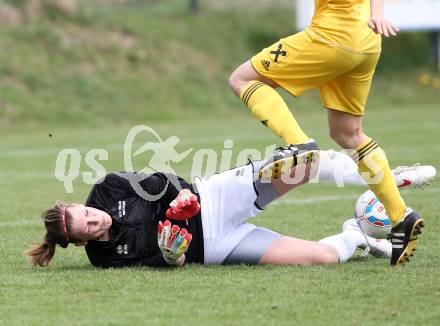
(371, 216)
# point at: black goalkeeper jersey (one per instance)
(136, 203)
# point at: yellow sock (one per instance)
(271, 110)
(375, 171)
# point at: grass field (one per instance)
(360, 292)
(90, 78)
(113, 59)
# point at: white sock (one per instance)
(345, 243)
(337, 167)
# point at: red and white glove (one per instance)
(172, 243)
(186, 205)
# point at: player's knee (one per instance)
(328, 255)
(236, 82)
(348, 138)
(233, 83)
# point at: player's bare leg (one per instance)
(245, 73)
(293, 251)
(259, 95)
(330, 250)
(346, 130)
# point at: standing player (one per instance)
(338, 54)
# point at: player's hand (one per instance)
(186, 205)
(173, 242)
(382, 26)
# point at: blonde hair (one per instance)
(58, 223)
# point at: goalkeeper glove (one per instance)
(186, 205)
(172, 243)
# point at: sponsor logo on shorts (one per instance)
(265, 64)
(239, 172)
(278, 53)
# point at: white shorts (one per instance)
(227, 201)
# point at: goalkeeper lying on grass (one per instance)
(124, 220)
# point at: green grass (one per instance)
(87, 80)
(129, 60)
(360, 292)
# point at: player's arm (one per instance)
(183, 203)
(173, 244)
(176, 193)
(377, 21)
(162, 187)
(166, 183)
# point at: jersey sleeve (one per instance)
(162, 187)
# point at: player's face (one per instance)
(88, 223)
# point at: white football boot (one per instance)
(380, 248)
(415, 176)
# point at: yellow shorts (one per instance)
(304, 61)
